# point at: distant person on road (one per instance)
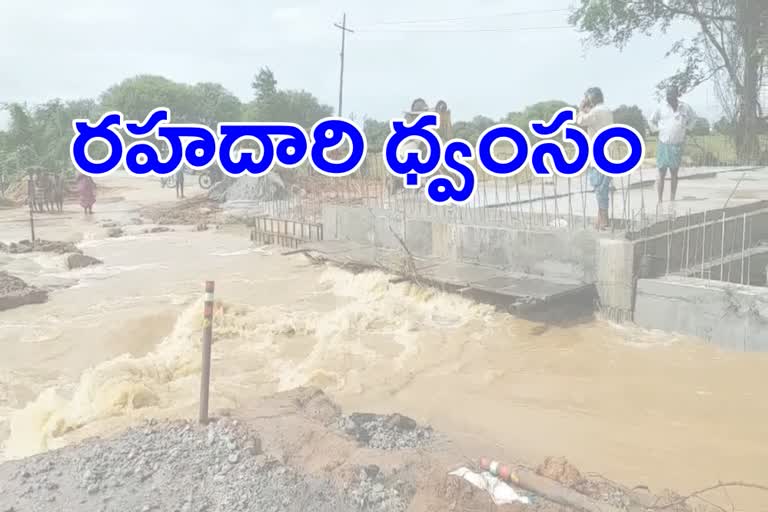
(86, 188)
(672, 120)
(41, 191)
(180, 184)
(593, 116)
(58, 192)
(31, 191)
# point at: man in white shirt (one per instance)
(593, 116)
(672, 120)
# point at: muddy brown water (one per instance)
(119, 342)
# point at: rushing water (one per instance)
(123, 343)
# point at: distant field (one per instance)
(702, 150)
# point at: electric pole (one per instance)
(344, 30)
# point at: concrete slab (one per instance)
(461, 274)
(526, 286)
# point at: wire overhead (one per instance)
(452, 30)
(451, 25)
(465, 18)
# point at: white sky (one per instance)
(78, 48)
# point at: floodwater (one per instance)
(123, 344)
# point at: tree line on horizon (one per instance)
(729, 51)
(40, 135)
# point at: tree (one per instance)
(41, 135)
(631, 116)
(376, 132)
(212, 103)
(471, 130)
(724, 49)
(138, 96)
(21, 127)
(541, 111)
(700, 126)
(275, 105)
(206, 103)
(723, 126)
(264, 84)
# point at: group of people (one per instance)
(671, 120)
(46, 192)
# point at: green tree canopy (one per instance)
(471, 130)
(725, 48)
(631, 116)
(723, 126)
(376, 132)
(40, 135)
(207, 103)
(700, 126)
(271, 104)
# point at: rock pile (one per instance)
(393, 432)
(181, 467)
(77, 260)
(14, 292)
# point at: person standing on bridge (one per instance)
(672, 120)
(593, 116)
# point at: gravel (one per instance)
(181, 467)
(393, 432)
(249, 188)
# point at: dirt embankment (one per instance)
(26, 246)
(291, 452)
(199, 211)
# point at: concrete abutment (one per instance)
(618, 268)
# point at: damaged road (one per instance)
(293, 451)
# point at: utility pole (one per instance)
(344, 30)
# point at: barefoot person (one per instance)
(87, 191)
(672, 120)
(593, 116)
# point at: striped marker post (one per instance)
(205, 378)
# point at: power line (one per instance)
(464, 18)
(450, 30)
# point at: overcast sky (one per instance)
(493, 57)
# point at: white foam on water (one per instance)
(111, 388)
(99, 272)
(243, 252)
(333, 353)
